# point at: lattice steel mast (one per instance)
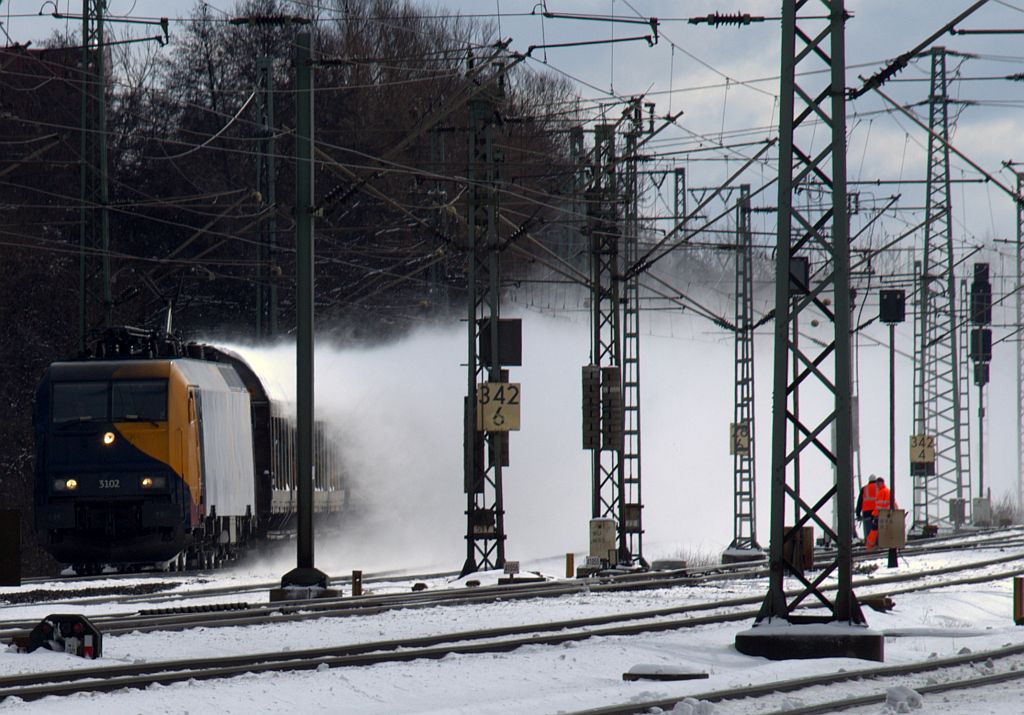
(576, 249)
(744, 483)
(937, 378)
(1019, 300)
(963, 348)
(94, 232)
(812, 99)
(679, 194)
(604, 229)
(630, 504)
(485, 452)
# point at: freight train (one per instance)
(155, 453)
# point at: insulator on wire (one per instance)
(269, 20)
(718, 18)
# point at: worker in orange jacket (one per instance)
(883, 500)
(866, 503)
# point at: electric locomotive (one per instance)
(150, 452)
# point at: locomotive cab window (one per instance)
(139, 400)
(79, 402)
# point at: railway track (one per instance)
(242, 614)
(164, 590)
(1000, 665)
(496, 640)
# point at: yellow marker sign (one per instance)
(922, 448)
(497, 406)
(739, 439)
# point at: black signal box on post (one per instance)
(981, 296)
(980, 373)
(591, 407)
(510, 342)
(892, 306)
(799, 275)
(981, 345)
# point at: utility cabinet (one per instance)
(892, 532)
(604, 543)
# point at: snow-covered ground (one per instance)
(534, 679)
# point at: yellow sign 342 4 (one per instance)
(497, 406)
(922, 448)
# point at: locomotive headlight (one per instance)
(108, 438)
(153, 482)
(147, 482)
(65, 484)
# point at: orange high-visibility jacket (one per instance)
(881, 499)
(868, 498)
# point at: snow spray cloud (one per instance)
(396, 412)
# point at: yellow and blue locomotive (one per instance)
(150, 452)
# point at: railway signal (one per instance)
(892, 310)
(981, 354)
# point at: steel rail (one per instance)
(248, 614)
(353, 606)
(954, 685)
(938, 544)
(140, 675)
(28, 686)
(797, 684)
(361, 606)
(301, 611)
(378, 651)
(709, 573)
